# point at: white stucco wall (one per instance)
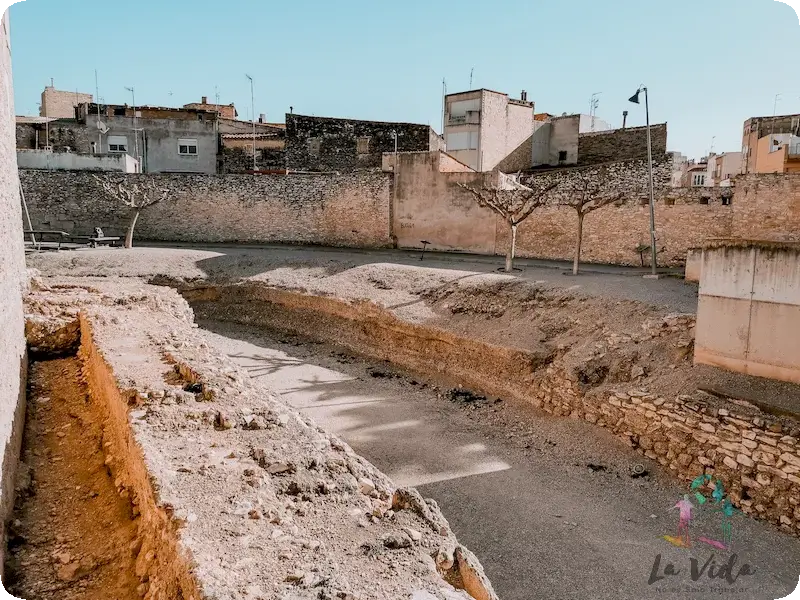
(70, 161)
(12, 279)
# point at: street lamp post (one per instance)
(135, 130)
(653, 253)
(253, 119)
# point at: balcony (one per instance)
(473, 117)
(794, 151)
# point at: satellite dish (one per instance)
(102, 127)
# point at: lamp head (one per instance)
(635, 97)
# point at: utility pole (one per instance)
(593, 104)
(135, 130)
(97, 100)
(653, 252)
(444, 96)
(774, 114)
(253, 119)
(470, 77)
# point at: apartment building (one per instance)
(482, 127)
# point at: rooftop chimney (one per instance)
(524, 96)
(624, 118)
(204, 100)
(262, 118)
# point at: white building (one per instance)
(482, 127)
(722, 168)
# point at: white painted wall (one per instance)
(71, 161)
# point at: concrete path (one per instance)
(547, 504)
(612, 281)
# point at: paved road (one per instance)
(596, 280)
(547, 504)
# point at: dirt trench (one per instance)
(87, 523)
(73, 535)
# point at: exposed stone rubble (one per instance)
(263, 503)
(756, 454)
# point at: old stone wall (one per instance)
(62, 134)
(13, 358)
(324, 144)
(338, 210)
(767, 207)
(429, 205)
(240, 159)
(756, 456)
(621, 144)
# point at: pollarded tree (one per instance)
(514, 202)
(138, 193)
(586, 190)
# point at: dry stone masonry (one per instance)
(755, 454)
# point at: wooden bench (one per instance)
(60, 236)
(94, 241)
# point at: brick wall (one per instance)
(621, 144)
(337, 210)
(323, 144)
(12, 279)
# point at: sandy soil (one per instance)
(73, 535)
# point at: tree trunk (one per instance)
(129, 235)
(578, 243)
(512, 247)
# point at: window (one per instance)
(187, 147)
(699, 179)
(462, 140)
(362, 145)
(562, 156)
(119, 111)
(314, 146)
(117, 143)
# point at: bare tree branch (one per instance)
(137, 193)
(514, 202)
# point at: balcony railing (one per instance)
(473, 117)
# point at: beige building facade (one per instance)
(58, 104)
(722, 168)
(756, 129)
(482, 127)
(778, 153)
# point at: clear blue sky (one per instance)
(709, 64)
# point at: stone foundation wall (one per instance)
(756, 457)
(330, 209)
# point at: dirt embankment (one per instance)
(618, 365)
(230, 493)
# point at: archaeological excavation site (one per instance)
(526, 357)
(295, 424)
